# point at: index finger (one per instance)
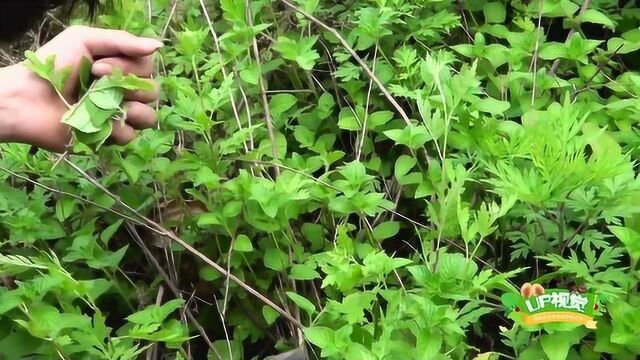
(104, 42)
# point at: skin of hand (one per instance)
(30, 109)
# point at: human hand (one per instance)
(30, 109)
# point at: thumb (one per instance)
(104, 42)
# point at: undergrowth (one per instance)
(340, 179)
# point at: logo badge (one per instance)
(536, 305)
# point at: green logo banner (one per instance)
(552, 305)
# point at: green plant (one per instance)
(363, 179)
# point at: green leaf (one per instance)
(98, 138)
(622, 46)
(596, 17)
(303, 272)
(242, 243)
(47, 70)
(314, 233)
(84, 75)
(403, 165)
(492, 106)
(555, 346)
(106, 99)
(280, 103)
(206, 176)
(64, 208)
(347, 120)
(209, 219)
(270, 315)
(232, 209)
(79, 118)
(99, 116)
(302, 302)
(275, 259)
(412, 136)
(320, 336)
(154, 314)
(108, 233)
(250, 74)
(552, 51)
(209, 274)
(494, 12)
(300, 51)
(304, 136)
(9, 300)
(227, 350)
(378, 119)
(630, 238)
(386, 230)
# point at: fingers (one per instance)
(122, 134)
(144, 96)
(139, 116)
(103, 42)
(142, 67)
(139, 66)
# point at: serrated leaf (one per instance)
(154, 314)
(630, 238)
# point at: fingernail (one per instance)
(102, 69)
(153, 43)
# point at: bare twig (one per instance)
(224, 328)
(152, 353)
(263, 93)
(362, 64)
(465, 24)
(534, 61)
(166, 25)
(366, 108)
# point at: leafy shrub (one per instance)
(373, 174)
